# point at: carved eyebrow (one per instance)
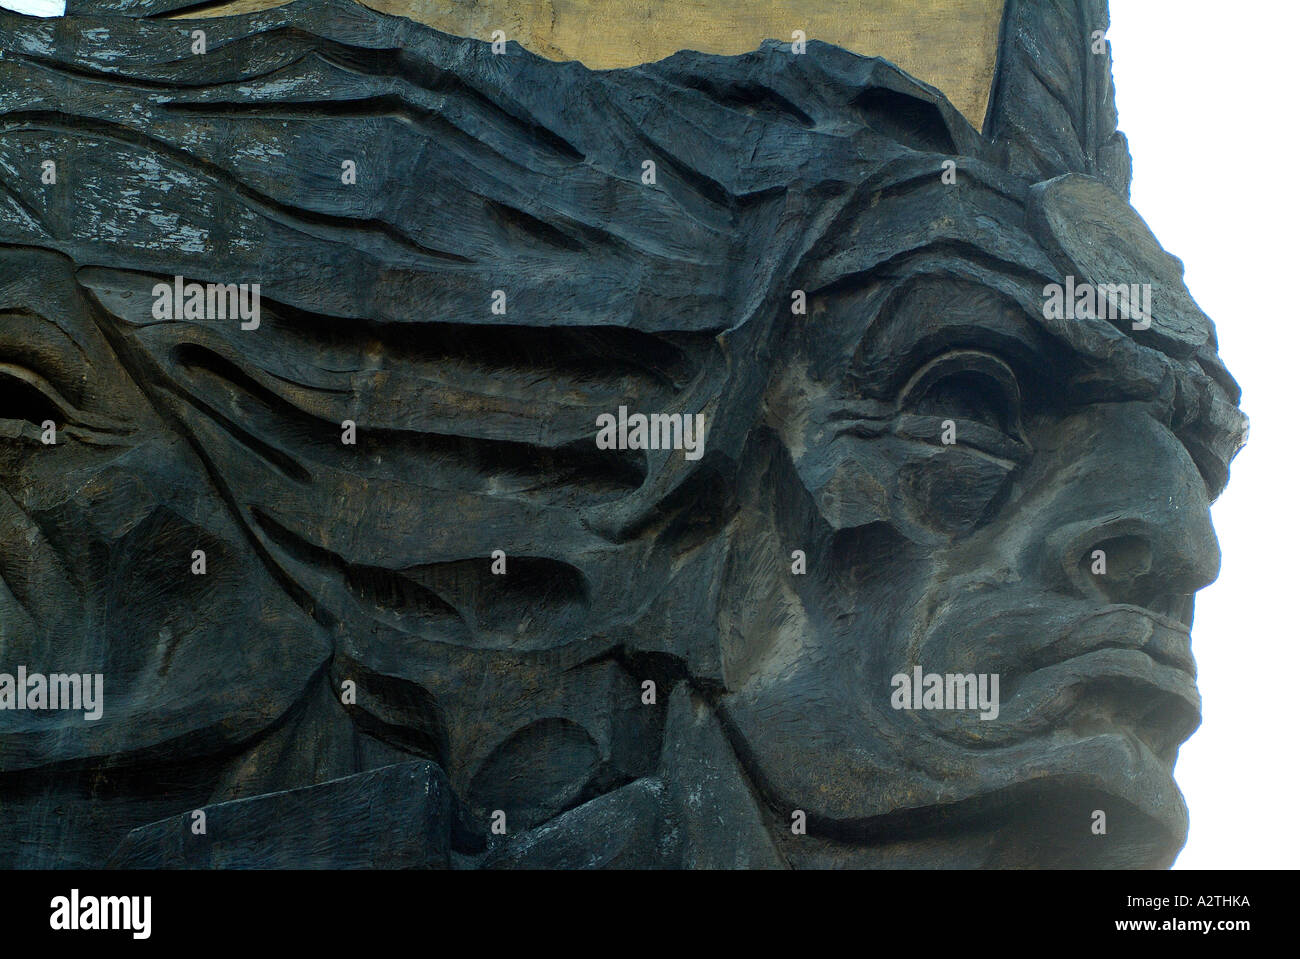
(910, 331)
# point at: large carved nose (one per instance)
(1137, 526)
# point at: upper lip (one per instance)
(1163, 638)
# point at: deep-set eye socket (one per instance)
(965, 385)
(22, 398)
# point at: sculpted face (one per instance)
(982, 499)
(103, 506)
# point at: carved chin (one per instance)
(1096, 733)
(1033, 805)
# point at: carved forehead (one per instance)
(1011, 235)
(1014, 237)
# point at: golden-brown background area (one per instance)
(950, 44)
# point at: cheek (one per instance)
(949, 490)
(927, 493)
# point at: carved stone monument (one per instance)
(417, 449)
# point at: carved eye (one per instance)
(21, 398)
(976, 390)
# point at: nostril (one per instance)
(1115, 563)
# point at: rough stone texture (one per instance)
(397, 817)
(349, 620)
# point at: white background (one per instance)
(37, 8)
(1208, 97)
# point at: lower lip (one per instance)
(1051, 694)
(1047, 697)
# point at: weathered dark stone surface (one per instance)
(397, 817)
(370, 564)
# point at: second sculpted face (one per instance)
(975, 501)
